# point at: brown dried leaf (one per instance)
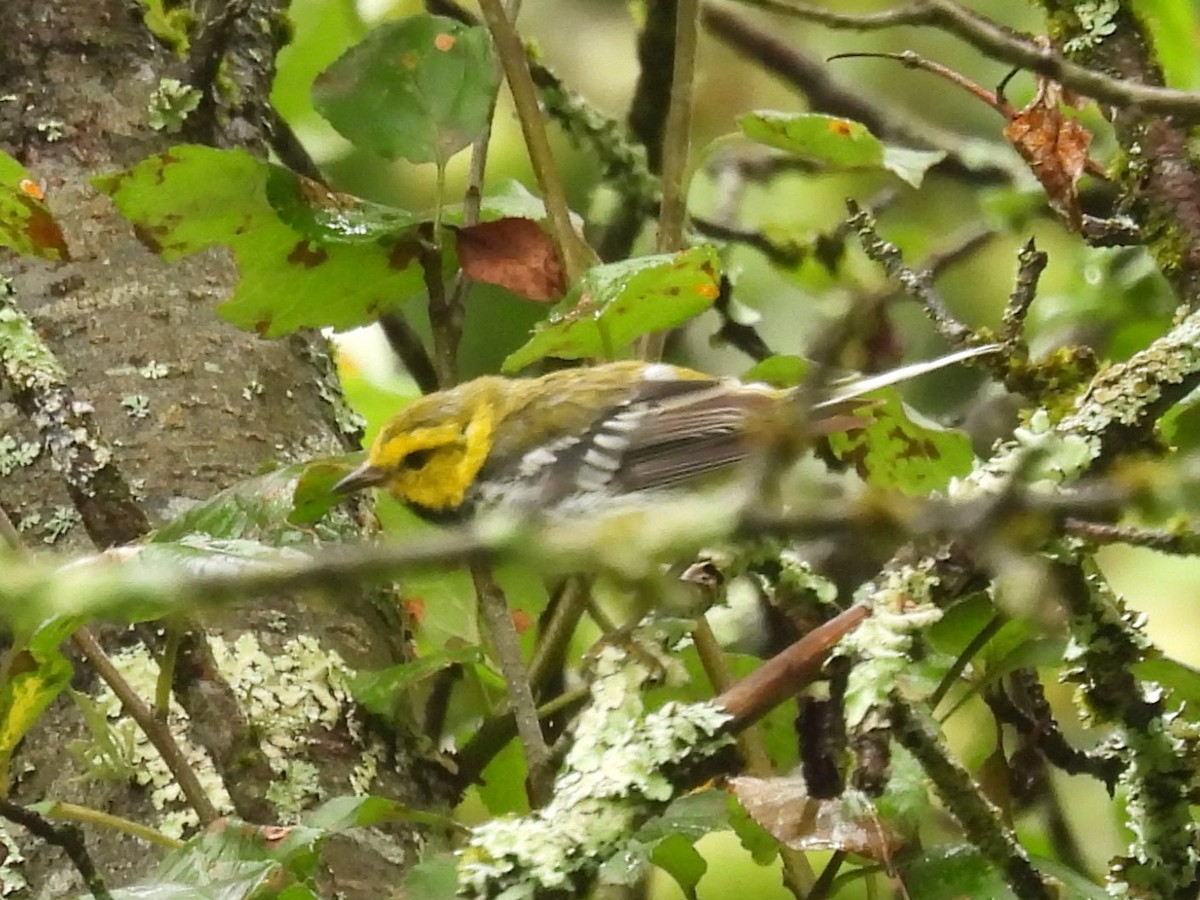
(513, 253)
(1054, 146)
(849, 823)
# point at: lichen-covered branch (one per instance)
(1158, 173)
(980, 819)
(613, 778)
(1106, 643)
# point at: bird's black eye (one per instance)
(417, 459)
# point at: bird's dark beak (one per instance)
(364, 476)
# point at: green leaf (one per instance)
(618, 303)
(836, 144)
(433, 878)
(779, 370)
(953, 871)
(759, 842)
(191, 198)
(37, 673)
(267, 508)
(377, 691)
(26, 224)
(895, 451)
(829, 140)
(419, 88)
(676, 856)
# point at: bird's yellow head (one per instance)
(429, 454)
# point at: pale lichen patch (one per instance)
(12, 880)
(613, 777)
(14, 454)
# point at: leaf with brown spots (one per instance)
(513, 253)
(303, 258)
(895, 451)
(419, 88)
(1054, 146)
(26, 223)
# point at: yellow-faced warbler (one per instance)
(587, 435)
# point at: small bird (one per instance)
(585, 436)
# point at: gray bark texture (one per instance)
(76, 78)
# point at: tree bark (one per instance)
(76, 79)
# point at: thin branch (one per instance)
(677, 136)
(72, 812)
(1175, 541)
(917, 285)
(1041, 728)
(507, 644)
(67, 837)
(648, 112)
(1006, 46)
(493, 734)
(798, 874)
(980, 819)
(784, 674)
(408, 346)
(1031, 262)
(1157, 783)
(677, 139)
(158, 733)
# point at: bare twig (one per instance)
(409, 347)
(1031, 262)
(677, 136)
(784, 674)
(72, 812)
(1040, 727)
(67, 837)
(799, 875)
(158, 733)
(507, 645)
(1176, 541)
(1004, 45)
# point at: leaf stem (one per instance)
(575, 255)
(672, 214)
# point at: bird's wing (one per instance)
(668, 433)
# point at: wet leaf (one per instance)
(191, 198)
(26, 223)
(418, 88)
(515, 254)
(618, 303)
(848, 823)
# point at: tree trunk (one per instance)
(187, 405)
